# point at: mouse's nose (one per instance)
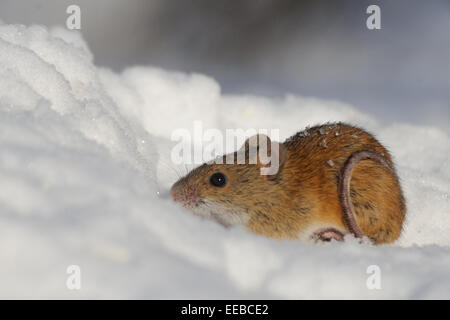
(186, 195)
(173, 193)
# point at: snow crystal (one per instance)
(323, 144)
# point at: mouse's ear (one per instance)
(269, 155)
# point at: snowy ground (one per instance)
(84, 151)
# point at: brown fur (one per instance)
(304, 192)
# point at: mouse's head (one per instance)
(235, 187)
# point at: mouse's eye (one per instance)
(218, 179)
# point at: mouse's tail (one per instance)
(344, 187)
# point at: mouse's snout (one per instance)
(173, 194)
(187, 195)
(174, 190)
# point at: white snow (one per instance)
(84, 151)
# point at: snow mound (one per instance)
(84, 153)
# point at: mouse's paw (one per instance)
(327, 234)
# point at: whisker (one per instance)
(177, 173)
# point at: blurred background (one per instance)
(400, 73)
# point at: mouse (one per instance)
(331, 180)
